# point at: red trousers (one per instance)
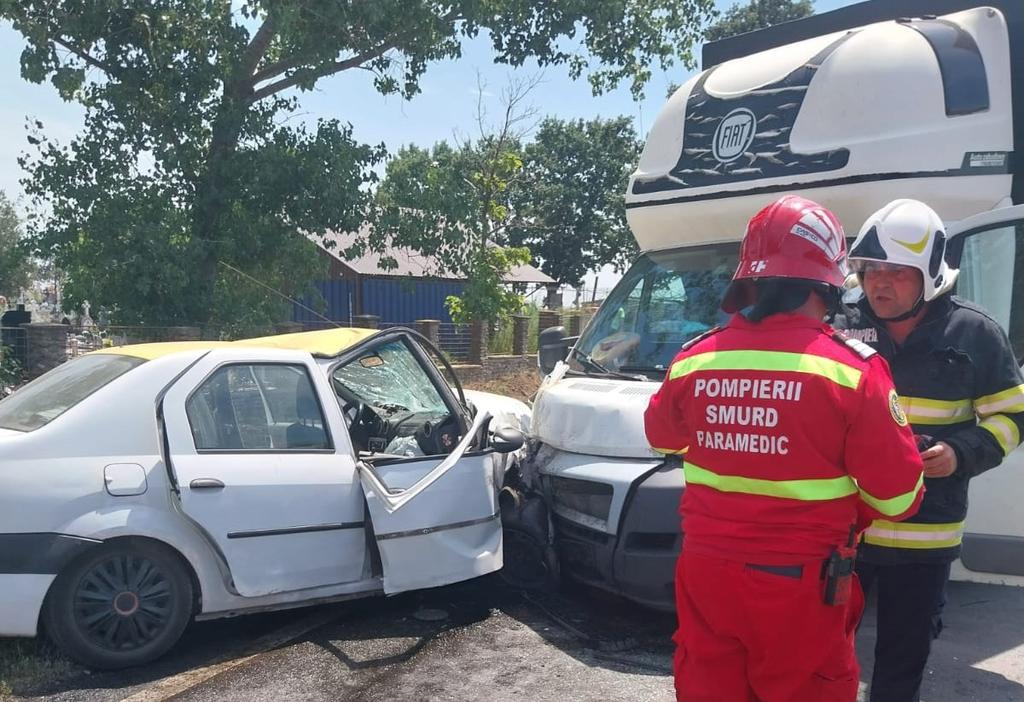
(746, 635)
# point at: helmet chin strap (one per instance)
(912, 312)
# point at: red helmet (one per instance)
(791, 238)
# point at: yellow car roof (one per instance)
(326, 342)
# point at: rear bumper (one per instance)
(21, 602)
(638, 561)
(28, 565)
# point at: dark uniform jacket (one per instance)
(958, 382)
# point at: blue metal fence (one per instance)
(339, 296)
(404, 300)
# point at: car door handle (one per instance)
(206, 484)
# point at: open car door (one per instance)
(435, 523)
(428, 475)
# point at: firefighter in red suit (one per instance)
(792, 440)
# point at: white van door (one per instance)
(264, 468)
(989, 250)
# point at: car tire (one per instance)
(121, 605)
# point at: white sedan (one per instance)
(144, 486)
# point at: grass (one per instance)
(27, 663)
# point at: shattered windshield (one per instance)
(391, 377)
(664, 300)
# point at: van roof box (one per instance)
(855, 107)
(857, 15)
(862, 13)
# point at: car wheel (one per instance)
(121, 605)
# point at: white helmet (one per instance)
(907, 233)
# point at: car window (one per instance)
(266, 407)
(992, 275)
(53, 394)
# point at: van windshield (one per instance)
(664, 300)
(51, 395)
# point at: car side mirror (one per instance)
(507, 440)
(553, 347)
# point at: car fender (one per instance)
(167, 527)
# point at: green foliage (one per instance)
(10, 371)
(571, 207)
(187, 162)
(758, 14)
(16, 267)
(452, 205)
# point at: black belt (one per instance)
(787, 571)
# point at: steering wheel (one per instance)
(366, 424)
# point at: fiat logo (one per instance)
(734, 134)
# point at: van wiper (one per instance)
(593, 365)
(647, 370)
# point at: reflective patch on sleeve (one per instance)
(1004, 430)
(913, 535)
(894, 505)
(1010, 400)
(922, 410)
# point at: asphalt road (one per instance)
(478, 641)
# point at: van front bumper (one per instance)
(638, 560)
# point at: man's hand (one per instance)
(939, 461)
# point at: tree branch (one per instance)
(257, 47)
(276, 69)
(326, 70)
(88, 58)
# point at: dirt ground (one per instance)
(520, 385)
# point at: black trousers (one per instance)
(910, 601)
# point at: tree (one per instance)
(454, 204)
(186, 161)
(757, 14)
(571, 212)
(15, 264)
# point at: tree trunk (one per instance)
(211, 201)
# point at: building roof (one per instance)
(410, 263)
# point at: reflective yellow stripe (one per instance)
(921, 410)
(894, 505)
(669, 452)
(837, 372)
(916, 536)
(812, 490)
(1004, 429)
(1009, 400)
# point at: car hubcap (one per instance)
(123, 603)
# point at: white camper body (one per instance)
(853, 109)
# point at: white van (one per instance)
(853, 108)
